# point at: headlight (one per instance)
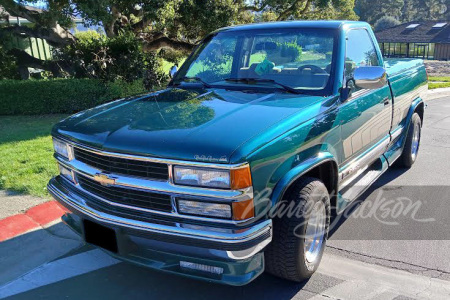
(214, 178)
(66, 173)
(62, 148)
(202, 177)
(198, 208)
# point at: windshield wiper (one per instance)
(250, 80)
(205, 84)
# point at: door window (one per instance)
(360, 52)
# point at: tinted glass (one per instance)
(298, 58)
(360, 51)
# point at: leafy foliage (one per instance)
(8, 65)
(28, 97)
(386, 22)
(403, 10)
(148, 25)
(119, 58)
(153, 75)
(291, 50)
(172, 56)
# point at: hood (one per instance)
(189, 124)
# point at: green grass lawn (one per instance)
(438, 85)
(438, 82)
(439, 79)
(26, 153)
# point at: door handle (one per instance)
(386, 101)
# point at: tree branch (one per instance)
(141, 25)
(288, 12)
(109, 26)
(31, 14)
(52, 36)
(26, 60)
(4, 15)
(165, 42)
(55, 35)
(252, 8)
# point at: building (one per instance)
(422, 39)
(38, 47)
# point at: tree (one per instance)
(175, 24)
(386, 22)
(49, 25)
(403, 10)
(180, 24)
(373, 10)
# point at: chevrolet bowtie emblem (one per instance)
(104, 179)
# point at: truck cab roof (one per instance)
(295, 24)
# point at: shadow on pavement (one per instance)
(126, 281)
(391, 174)
(25, 252)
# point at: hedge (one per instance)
(35, 97)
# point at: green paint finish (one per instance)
(281, 135)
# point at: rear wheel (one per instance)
(412, 143)
(299, 240)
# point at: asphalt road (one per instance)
(373, 253)
(418, 243)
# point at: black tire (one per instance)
(285, 255)
(407, 159)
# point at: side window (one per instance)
(360, 51)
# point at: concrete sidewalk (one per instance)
(25, 252)
(92, 274)
(12, 203)
(438, 93)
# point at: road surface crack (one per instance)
(416, 268)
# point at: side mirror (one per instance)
(370, 77)
(173, 71)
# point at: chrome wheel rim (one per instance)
(415, 141)
(314, 235)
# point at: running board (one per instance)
(360, 184)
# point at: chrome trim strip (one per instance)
(161, 186)
(166, 188)
(200, 233)
(358, 165)
(157, 160)
(396, 133)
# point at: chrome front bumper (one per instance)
(239, 243)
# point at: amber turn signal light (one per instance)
(243, 210)
(240, 178)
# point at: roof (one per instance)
(425, 32)
(292, 24)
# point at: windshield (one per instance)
(299, 59)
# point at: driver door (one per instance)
(366, 116)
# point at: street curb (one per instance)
(438, 93)
(35, 217)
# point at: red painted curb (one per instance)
(45, 213)
(34, 217)
(15, 225)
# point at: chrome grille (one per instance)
(144, 169)
(126, 196)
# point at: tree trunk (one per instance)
(165, 42)
(56, 37)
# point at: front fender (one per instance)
(295, 173)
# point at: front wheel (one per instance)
(412, 142)
(300, 232)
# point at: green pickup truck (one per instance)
(264, 133)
